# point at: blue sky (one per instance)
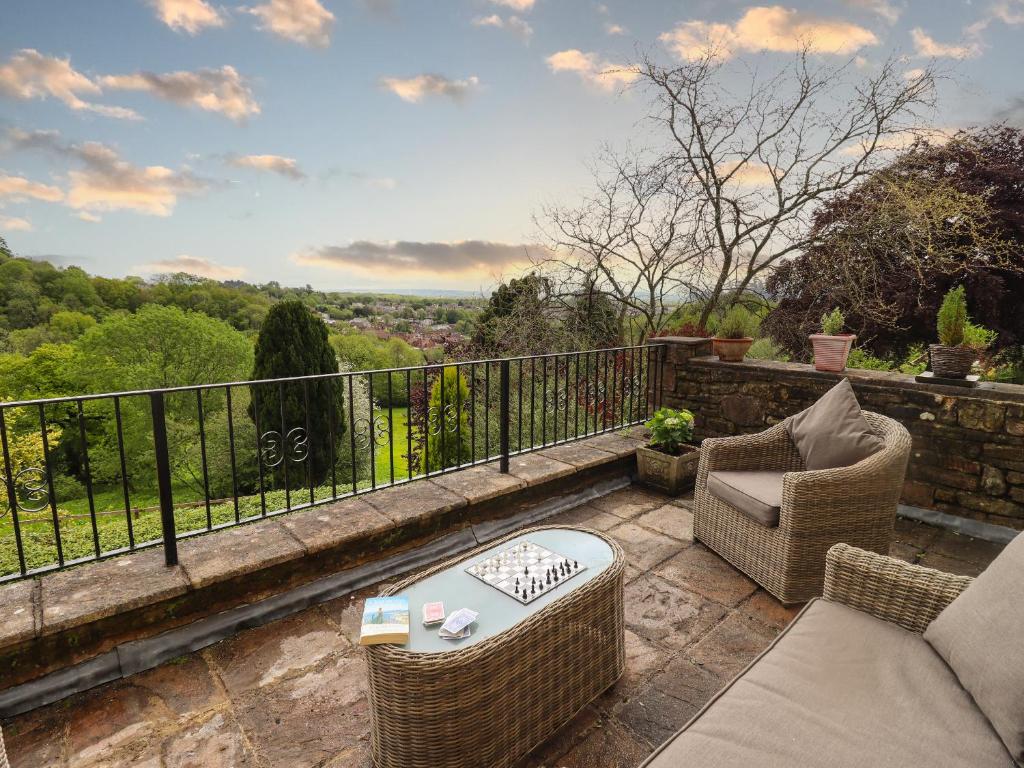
(317, 141)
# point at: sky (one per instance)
(375, 144)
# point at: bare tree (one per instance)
(733, 187)
(629, 240)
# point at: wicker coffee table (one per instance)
(487, 700)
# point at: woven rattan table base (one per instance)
(488, 704)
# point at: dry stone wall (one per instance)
(968, 455)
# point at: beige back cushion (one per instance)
(833, 432)
(981, 637)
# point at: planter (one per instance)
(951, 362)
(731, 350)
(671, 474)
(830, 352)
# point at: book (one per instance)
(385, 620)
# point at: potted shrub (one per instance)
(669, 460)
(952, 357)
(832, 346)
(735, 334)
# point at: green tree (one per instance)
(294, 342)
(448, 433)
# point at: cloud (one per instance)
(194, 265)
(461, 256)
(375, 182)
(29, 74)
(1008, 11)
(925, 45)
(414, 89)
(92, 218)
(215, 90)
(913, 74)
(517, 26)
(516, 5)
(15, 224)
(190, 16)
(767, 28)
(882, 8)
(1013, 112)
(18, 189)
(588, 66)
(104, 182)
(284, 166)
(614, 29)
(301, 21)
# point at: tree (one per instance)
(448, 432)
(734, 178)
(520, 319)
(629, 241)
(887, 250)
(293, 342)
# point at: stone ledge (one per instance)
(77, 615)
(860, 376)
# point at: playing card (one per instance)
(433, 613)
(458, 620)
(466, 632)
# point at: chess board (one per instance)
(525, 571)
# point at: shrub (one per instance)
(952, 318)
(766, 349)
(861, 358)
(978, 337)
(738, 323)
(832, 323)
(448, 431)
(670, 429)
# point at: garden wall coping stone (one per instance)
(80, 614)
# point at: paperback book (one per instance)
(385, 620)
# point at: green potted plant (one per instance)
(735, 334)
(953, 357)
(832, 346)
(669, 460)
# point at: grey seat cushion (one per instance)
(756, 494)
(981, 637)
(839, 688)
(833, 432)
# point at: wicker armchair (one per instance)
(855, 504)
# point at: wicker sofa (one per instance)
(813, 510)
(850, 682)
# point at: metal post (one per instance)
(504, 416)
(163, 477)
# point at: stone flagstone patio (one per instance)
(292, 693)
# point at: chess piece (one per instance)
(549, 575)
(533, 589)
(575, 564)
(517, 583)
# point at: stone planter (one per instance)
(830, 352)
(671, 474)
(951, 362)
(731, 350)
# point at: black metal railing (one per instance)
(92, 476)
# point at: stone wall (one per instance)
(968, 455)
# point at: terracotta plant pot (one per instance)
(731, 350)
(671, 474)
(830, 352)
(951, 362)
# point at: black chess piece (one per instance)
(556, 575)
(517, 583)
(575, 564)
(526, 571)
(549, 575)
(533, 589)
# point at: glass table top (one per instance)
(498, 611)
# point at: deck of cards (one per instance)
(457, 625)
(433, 613)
